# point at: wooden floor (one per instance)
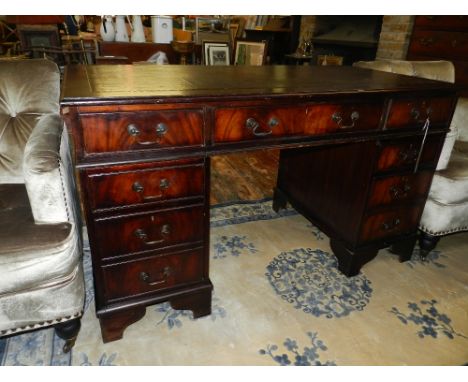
(243, 176)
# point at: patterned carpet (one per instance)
(279, 300)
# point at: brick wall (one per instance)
(394, 37)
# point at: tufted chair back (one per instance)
(41, 270)
(25, 96)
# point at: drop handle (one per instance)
(400, 191)
(139, 188)
(143, 236)
(161, 278)
(161, 129)
(388, 226)
(133, 130)
(338, 119)
(416, 114)
(252, 124)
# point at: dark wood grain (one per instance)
(144, 183)
(148, 231)
(330, 118)
(399, 188)
(101, 83)
(231, 123)
(111, 132)
(414, 112)
(150, 243)
(442, 38)
(309, 179)
(152, 274)
(403, 153)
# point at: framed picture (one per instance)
(250, 52)
(216, 53)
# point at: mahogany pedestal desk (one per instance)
(358, 152)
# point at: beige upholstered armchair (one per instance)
(41, 274)
(446, 209)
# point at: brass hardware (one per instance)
(143, 236)
(137, 187)
(426, 41)
(388, 226)
(408, 154)
(273, 122)
(401, 190)
(146, 278)
(253, 125)
(338, 119)
(415, 113)
(165, 229)
(133, 130)
(164, 184)
(161, 129)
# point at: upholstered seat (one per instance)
(41, 281)
(446, 209)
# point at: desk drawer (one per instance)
(403, 153)
(435, 43)
(148, 231)
(413, 112)
(249, 123)
(144, 183)
(152, 274)
(395, 189)
(329, 118)
(142, 130)
(390, 223)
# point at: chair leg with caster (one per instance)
(68, 331)
(427, 243)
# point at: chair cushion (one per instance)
(28, 89)
(32, 255)
(450, 186)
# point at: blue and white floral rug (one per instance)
(280, 300)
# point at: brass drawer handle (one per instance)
(388, 226)
(426, 41)
(253, 125)
(137, 187)
(408, 154)
(146, 278)
(416, 113)
(400, 191)
(338, 119)
(133, 130)
(143, 236)
(161, 129)
(163, 185)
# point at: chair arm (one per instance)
(460, 119)
(48, 173)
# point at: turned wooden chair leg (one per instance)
(427, 243)
(68, 331)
